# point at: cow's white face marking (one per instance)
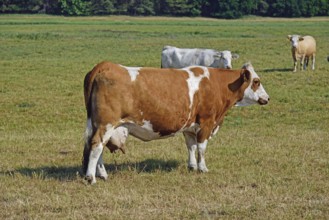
(252, 96)
(133, 72)
(294, 39)
(226, 57)
(193, 81)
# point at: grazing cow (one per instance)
(302, 48)
(152, 103)
(173, 57)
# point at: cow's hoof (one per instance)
(102, 174)
(91, 180)
(203, 169)
(192, 167)
(103, 177)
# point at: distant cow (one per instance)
(173, 57)
(152, 103)
(302, 48)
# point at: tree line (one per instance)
(207, 8)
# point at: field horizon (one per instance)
(266, 162)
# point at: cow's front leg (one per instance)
(201, 160)
(191, 143)
(100, 169)
(295, 66)
(95, 153)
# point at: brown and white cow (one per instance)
(151, 103)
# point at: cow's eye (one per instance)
(256, 82)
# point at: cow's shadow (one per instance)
(277, 70)
(73, 172)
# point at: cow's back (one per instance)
(308, 45)
(173, 57)
(157, 95)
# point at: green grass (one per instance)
(268, 162)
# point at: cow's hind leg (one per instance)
(94, 155)
(306, 63)
(86, 150)
(100, 168)
(313, 61)
(99, 139)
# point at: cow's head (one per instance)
(225, 59)
(294, 39)
(254, 93)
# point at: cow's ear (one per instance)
(235, 56)
(301, 38)
(289, 37)
(246, 75)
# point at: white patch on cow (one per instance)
(190, 140)
(147, 125)
(133, 72)
(108, 133)
(93, 160)
(193, 81)
(201, 160)
(214, 132)
(100, 168)
(250, 96)
(119, 136)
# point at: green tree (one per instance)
(181, 7)
(323, 7)
(75, 7)
(262, 8)
(141, 7)
(101, 7)
(21, 6)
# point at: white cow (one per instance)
(173, 57)
(302, 48)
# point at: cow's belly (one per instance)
(144, 133)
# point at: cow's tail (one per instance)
(88, 82)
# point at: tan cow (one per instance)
(302, 48)
(152, 103)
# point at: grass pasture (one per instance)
(269, 162)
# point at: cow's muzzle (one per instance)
(262, 101)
